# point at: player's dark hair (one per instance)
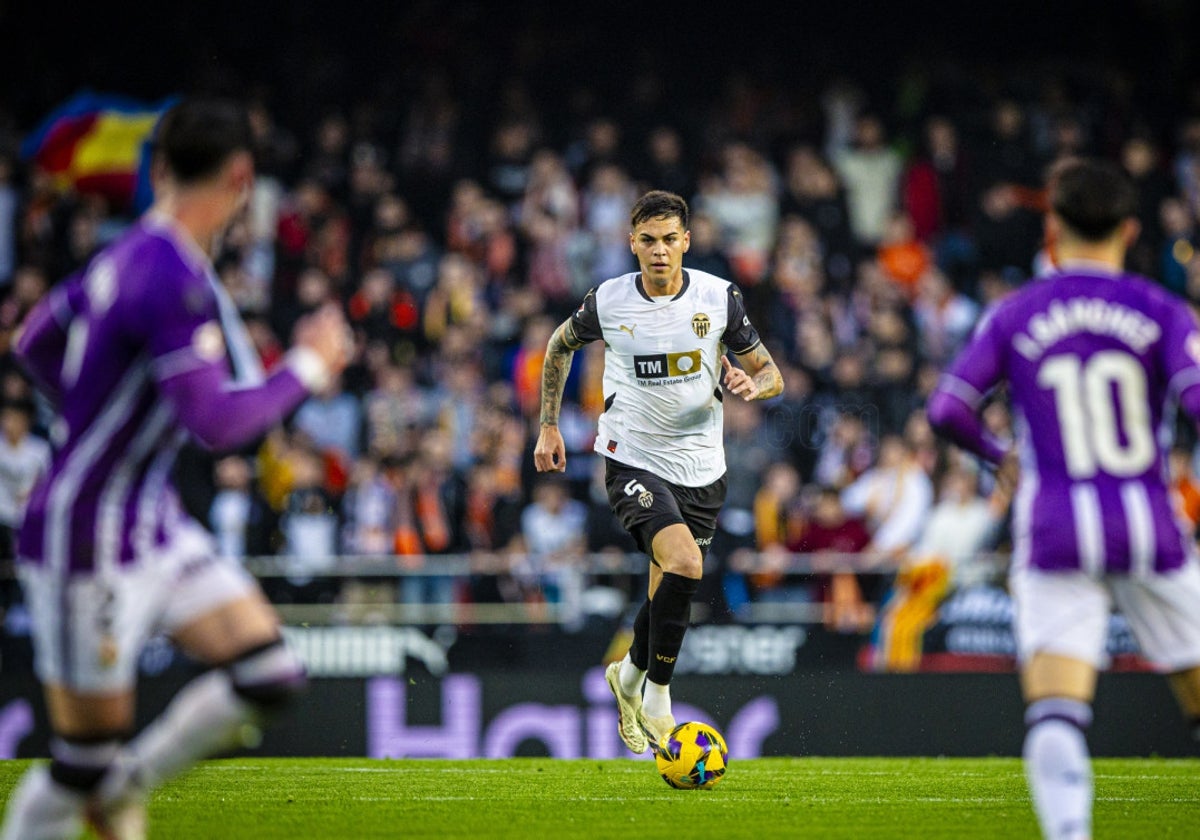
(659, 204)
(197, 136)
(1092, 197)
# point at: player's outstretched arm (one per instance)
(550, 453)
(757, 379)
(222, 416)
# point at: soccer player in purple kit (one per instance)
(1092, 358)
(140, 350)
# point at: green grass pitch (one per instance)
(262, 799)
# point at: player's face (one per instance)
(659, 245)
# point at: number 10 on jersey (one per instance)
(1103, 415)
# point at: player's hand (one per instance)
(550, 454)
(738, 381)
(327, 334)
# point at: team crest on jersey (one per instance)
(700, 324)
(1192, 346)
(208, 342)
(646, 499)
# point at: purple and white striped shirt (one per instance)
(1093, 361)
(135, 355)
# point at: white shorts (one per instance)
(89, 630)
(1066, 613)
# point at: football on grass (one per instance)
(692, 756)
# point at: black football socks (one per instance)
(670, 610)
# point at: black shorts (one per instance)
(645, 504)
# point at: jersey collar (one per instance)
(637, 282)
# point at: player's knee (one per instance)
(1052, 712)
(269, 677)
(683, 563)
(80, 764)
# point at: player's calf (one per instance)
(50, 800)
(1058, 766)
(218, 711)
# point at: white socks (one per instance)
(657, 700)
(206, 717)
(630, 677)
(1058, 767)
(42, 809)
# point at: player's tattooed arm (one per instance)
(559, 352)
(761, 367)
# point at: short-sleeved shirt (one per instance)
(662, 370)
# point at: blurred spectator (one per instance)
(600, 146)
(835, 537)
(754, 452)
(381, 312)
(742, 201)
(778, 528)
(332, 420)
(327, 162)
(1186, 487)
(606, 200)
(412, 258)
(428, 151)
(903, 257)
(1140, 159)
(1179, 245)
(239, 518)
(893, 497)
(944, 317)
(666, 166)
(707, 251)
(549, 216)
(24, 458)
(455, 303)
(871, 172)
(845, 452)
(959, 526)
(27, 287)
(9, 200)
(310, 531)
(552, 532)
(369, 508)
(1006, 156)
(431, 502)
(313, 231)
(813, 192)
(395, 409)
(508, 165)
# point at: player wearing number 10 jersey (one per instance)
(1093, 359)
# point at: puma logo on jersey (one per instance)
(629, 330)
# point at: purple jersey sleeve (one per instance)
(954, 407)
(186, 342)
(1180, 350)
(43, 337)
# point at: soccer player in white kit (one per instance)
(665, 331)
(1092, 357)
(139, 351)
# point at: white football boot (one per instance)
(629, 709)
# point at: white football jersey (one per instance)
(662, 371)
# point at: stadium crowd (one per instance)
(867, 234)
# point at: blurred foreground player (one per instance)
(139, 351)
(1091, 356)
(665, 330)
